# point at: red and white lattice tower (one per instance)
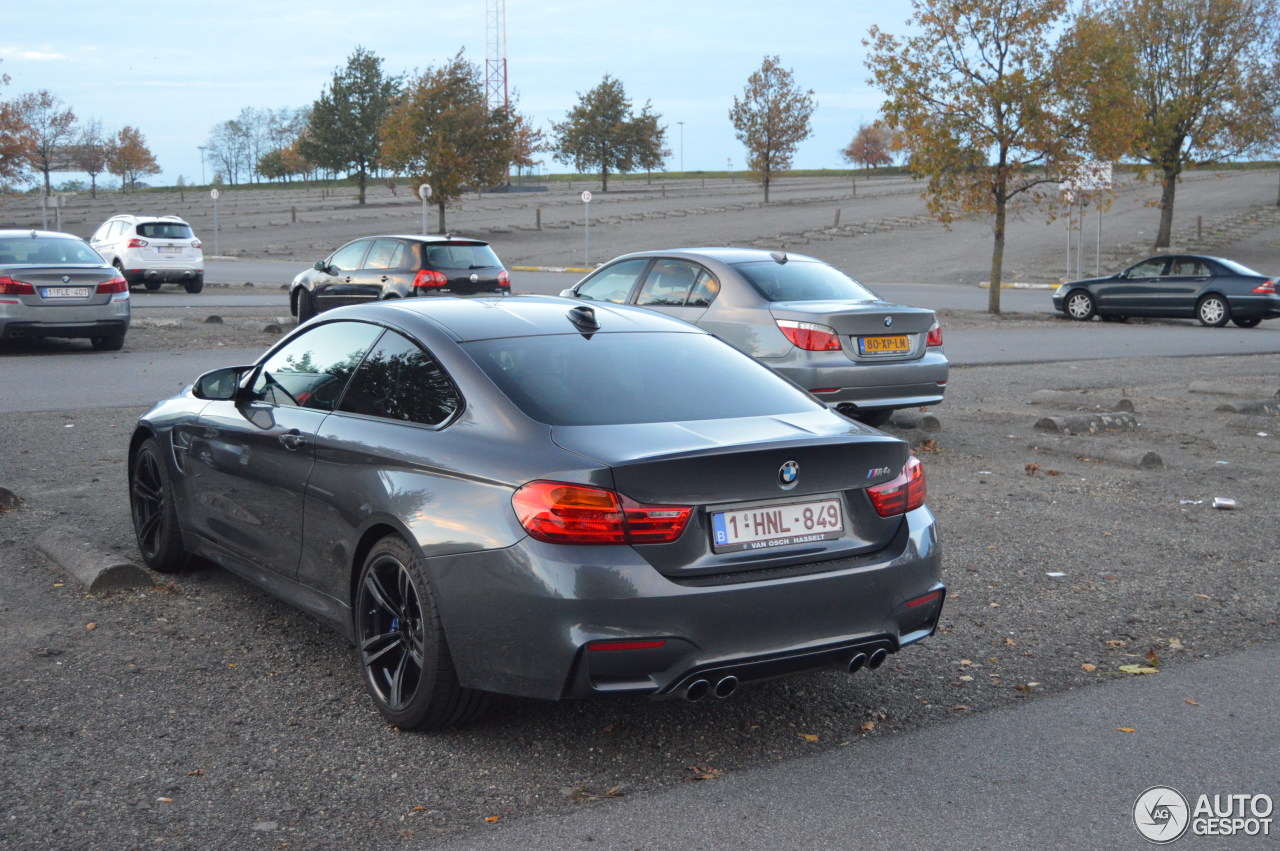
(495, 63)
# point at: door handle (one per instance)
(347, 279)
(385, 279)
(293, 439)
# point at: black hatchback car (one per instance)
(398, 266)
(1179, 286)
(539, 497)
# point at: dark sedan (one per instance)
(538, 497)
(1181, 286)
(801, 317)
(398, 266)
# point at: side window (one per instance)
(1148, 268)
(705, 290)
(348, 257)
(613, 283)
(101, 233)
(384, 255)
(400, 381)
(668, 283)
(313, 368)
(1187, 267)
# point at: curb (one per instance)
(95, 570)
(986, 285)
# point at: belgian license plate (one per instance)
(64, 292)
(170, 249)
(894, 344)
(772, 526)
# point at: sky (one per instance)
(175, 70)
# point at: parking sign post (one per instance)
(213, 193)
(586, 228)
(424, 192)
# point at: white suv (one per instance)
(151, 250)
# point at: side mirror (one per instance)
(220, 384)
(568, 293)
(321, 266)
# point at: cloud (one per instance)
(33, 55)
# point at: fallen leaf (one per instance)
(704, 773)
(91, 626)
(419, 809)
(867, 726)
(1204, 596)
(965, 678)
(1190, 701)
(1009, 642)
(808, 737)
(491, 819)
(1115, 642)
(1138, 669)
(1090, 668)
(165, 800)
(929, 445)
(1032, 469)
(1052, 473)
(1175, 644)
(1127, 729)
(1152, 659)
(199, 772)
(959, 707)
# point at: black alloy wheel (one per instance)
(155, 520)
(1081, 305)
(401, 644)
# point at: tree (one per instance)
(974, 98)
(343, 133)
(16, 143)
(651, 142)
(771, 119)
(872, 145)
(442, 132)
(130, 158)
(529, 141)
(51, 130)
(90, 152)
(230, 145)
(600, 133)
(1203, 79)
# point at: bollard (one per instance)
(1199, 227)
(538, 219)
(293, 215)
(837, 224)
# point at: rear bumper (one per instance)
(164, 274)
(97, 328)
(65, 320)
(872, 386)
(1255, 306)
(519, 621)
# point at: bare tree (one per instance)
(229, 146)
(90, 152)
(771, 119)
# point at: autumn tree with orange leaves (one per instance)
(872, 145)
(974, 96)
(16, 143)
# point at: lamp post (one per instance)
(681, 123)
(201, 149)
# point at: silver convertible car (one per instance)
(803, 318)
(540, 497)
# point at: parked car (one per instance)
(152, 250)
(55, 285)
(539, 497)
(403, 266)
(1186, 286)
(805, 319)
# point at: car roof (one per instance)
(431, 237)
(13, 233)
(724, 254)
(469, 319)
(129, 217)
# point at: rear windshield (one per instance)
(164, 230)
(48, 250)
(612, 379)
(461, 256)
(803, 280)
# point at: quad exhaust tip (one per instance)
(856, 663)
(697, 690)
(726, 686)
(877, 659)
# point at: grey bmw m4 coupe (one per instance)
(539, 497)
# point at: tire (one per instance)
(875, 419)
(1080, 305)
(194, 285)
(401, 647)
(1251, 322)
(152, 284)
(306, 305)
(108, 343)
(1213, 311)
(155, 519)
(1108, 318)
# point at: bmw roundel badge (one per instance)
(888, 322)
(788, 474)
(474, 277)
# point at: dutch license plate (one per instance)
(895, 344)
(64, 292)
(771, 526)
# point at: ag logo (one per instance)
(1161, 814)
(788, 474)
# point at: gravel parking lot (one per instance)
(201, 713)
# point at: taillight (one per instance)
(8, 286)
(138, 243)
(504, 278)
(115, 285)
(195, 243)
(429, 278)
(561, 513)
(903, 494)
(935, 335)
(810, 336)
(1266, 288)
